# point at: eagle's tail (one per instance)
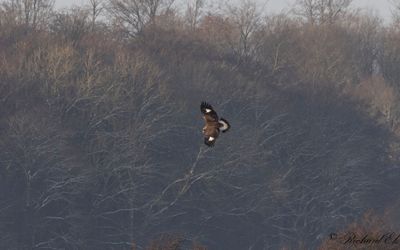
(224, 125)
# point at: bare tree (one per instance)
(135, 14)
(321, 11)
(34, 13)
(246, 18)
(72, 24)
(96, 8)
(194, 12)
(396, 10)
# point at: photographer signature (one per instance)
(351, 238)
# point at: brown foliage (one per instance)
(381, 97)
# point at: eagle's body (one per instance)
(213, 124)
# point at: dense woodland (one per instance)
(100, 126)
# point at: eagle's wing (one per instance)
(209, 140)
(209, 113)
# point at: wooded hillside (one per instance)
(100, 126)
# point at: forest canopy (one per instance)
(100, 127)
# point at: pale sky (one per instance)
(380, 7)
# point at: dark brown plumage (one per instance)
(213, 124)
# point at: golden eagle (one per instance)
(213, 124)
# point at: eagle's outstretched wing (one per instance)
(209, 113)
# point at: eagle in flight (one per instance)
(213, 124)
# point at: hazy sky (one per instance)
(380, 7)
